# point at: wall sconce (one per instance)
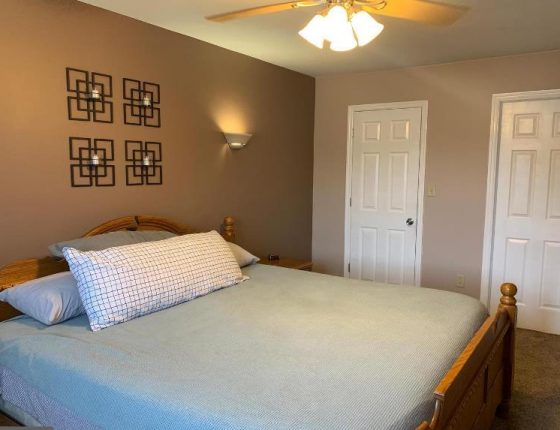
(144, 165)
(141, 103)
(91, 162)
(237, 140)
(89, 96)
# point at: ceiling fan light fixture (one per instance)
(336, 22)
(314, 31)
(344, 39)
(365, 27)
(344, 28)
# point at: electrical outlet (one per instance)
(460, 281)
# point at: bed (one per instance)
(285, 349)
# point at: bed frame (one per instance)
(478, 385)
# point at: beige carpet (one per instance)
(536, 395)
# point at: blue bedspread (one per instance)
(284, 350)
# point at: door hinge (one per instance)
(348, 267)
(350, 201)
(352, 131)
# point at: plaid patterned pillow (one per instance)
(122, 283)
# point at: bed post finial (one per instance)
(228, 229)
(508, 300)
(508, 304)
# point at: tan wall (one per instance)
(267, 187)
(459, 97)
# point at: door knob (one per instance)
(409, 221)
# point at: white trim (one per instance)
(497, 102)
(423, 105)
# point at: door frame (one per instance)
(498, 101)
(423, 105)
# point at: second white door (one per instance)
(383, 212)
(526, 247)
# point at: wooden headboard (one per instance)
(26, 270)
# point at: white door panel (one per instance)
(384, 194)
(526, 247)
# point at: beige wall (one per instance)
(459, 97)
(205, 89)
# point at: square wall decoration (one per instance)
(141, 103)
(143, 163)
(91, 162)
(89, 97)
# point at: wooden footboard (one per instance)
(479, 383)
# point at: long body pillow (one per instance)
(126, 282)
(50, 300)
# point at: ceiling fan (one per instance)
(346, 24)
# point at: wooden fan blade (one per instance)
(273, 8)
(424, 11)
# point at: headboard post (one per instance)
(228, 229)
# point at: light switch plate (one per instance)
(431, 190)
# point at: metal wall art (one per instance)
(90, 162)
(144, 163)
(89, 98)
(141, 103)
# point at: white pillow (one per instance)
(243, 257)
(126, 282)
(50, 300)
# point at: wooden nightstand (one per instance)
(290, 263)
(5, 421)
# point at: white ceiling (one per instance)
(491, 28)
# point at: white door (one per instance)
(526, 249)
(383, 211)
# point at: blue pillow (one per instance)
(109, 240)
(50, 300)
